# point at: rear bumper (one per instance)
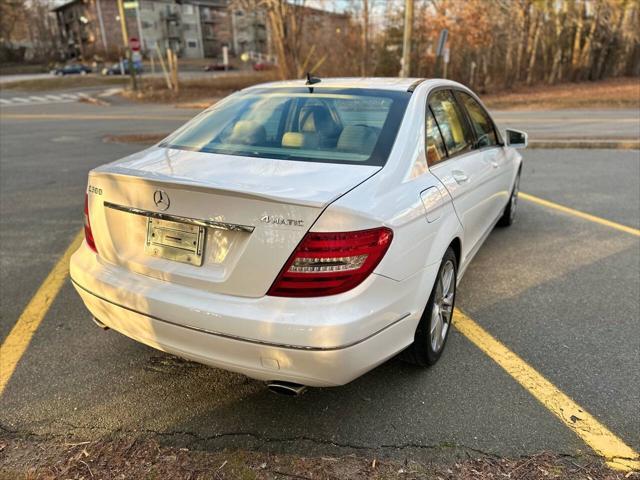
(317, 342)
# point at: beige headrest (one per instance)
(248, 132)
(357, 139)
(299, 140)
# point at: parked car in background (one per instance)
(262, 66)
(118, 69)
(300, 233)
(72, 69)
(218, 67)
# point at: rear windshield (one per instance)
(353, 126)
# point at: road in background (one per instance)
(622, 124)
(560, 291)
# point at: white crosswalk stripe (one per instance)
(44, 99)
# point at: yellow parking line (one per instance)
(617, 454)
(61, 116)
(20, 335)
(606, 444)
(579, 214)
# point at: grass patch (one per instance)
(199, 92)
(22, 69)
(614, 93)
(63, 83)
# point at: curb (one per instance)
(587, 144)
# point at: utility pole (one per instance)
(408, 33)
(125, 40)
(365, 38)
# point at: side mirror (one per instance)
(516, 138)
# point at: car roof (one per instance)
(380, 83)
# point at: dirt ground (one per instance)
(35, 458)
(610, 94)
(196, 91)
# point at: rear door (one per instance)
(464, 172)
(488, 145)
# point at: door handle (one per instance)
(494, 164)
(459, 176)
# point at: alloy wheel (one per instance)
(442, 306)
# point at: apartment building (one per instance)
(192, 28)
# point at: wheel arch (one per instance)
(456, 246)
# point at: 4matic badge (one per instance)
(278, 220)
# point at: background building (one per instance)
(192, 28)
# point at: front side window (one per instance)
(435, 145)
(355, 126)
(480, 121)
(453, 126)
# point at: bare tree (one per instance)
(286, 20)
(365, 38)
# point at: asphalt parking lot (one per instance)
(559, 290)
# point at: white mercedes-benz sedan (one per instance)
(299, 232)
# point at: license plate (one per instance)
(177, 241)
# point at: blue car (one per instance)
(72, 69)
(116, 69)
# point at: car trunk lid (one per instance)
(221, 223)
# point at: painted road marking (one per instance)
(617, 454)
(61, 116)
(17, 341)
(579, 214)
(44, 99)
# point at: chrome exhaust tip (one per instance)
(286, 388)
(99, 323)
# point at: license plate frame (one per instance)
(175, 241)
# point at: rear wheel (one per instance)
(435, 324)
(509, 215)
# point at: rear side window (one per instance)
(435, 145)
(453, 126)
(480, 121)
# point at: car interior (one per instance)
(308, 124)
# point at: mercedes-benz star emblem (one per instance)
(161, 199)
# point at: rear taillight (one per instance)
(331, 263)
(88, 234)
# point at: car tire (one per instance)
(509, 215)
(435, 324)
